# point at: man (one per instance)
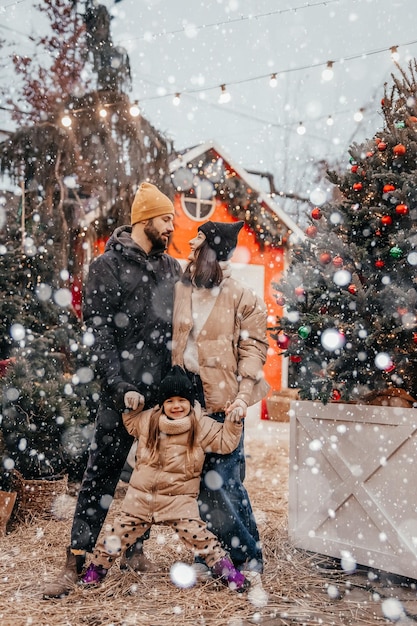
(128, 307)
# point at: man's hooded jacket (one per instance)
(128, 305)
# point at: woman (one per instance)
(219, 338)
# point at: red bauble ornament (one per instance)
(325, 258)
(401, 209)
(415, 337)
(357, 186)
(294, 358)
(369, 154)
(283, 341)
(382, 146)
(311, 231)
(388, 188)
(399, 149)
(299, 291)
(337, 261)
(352, 289)
(354, 169)
(336, 395)
(377, 233)
(316, 213)
(280, 300)
(412, 120)
(378, 140)
(379, 263)
(386, 220)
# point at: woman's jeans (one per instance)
(224, 502)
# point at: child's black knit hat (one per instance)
(176, 383)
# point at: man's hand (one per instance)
(236, 410)
(134, 400)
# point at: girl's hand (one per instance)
(236, 410)
(134, 400)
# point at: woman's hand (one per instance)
(236, 410)
(134, 400)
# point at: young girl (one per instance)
(173, 438)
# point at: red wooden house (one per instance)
(210, 186)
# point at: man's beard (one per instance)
(158, 243)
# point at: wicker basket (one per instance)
(7, 502)
(36, 498)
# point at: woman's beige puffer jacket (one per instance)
(232, 345)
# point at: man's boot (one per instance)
(136, 560)
(67, 578)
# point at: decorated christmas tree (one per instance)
(48, 394)
(349, 295)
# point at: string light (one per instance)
(134, 109)
(273, 82)
(225, 96)
(176, 100)
(68, 117)
(328, 73)
(229, 21)
(66, 120)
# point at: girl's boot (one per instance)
(227, 572)
(94, 575)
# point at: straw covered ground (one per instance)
(303, 588)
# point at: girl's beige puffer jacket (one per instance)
(167, 488)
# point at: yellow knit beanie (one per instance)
(149, 202)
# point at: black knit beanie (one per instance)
(176, 383)
(221, 237)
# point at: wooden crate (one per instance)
(352, 484)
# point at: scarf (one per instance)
(174, 427)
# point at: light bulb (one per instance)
(273, 82)
(358, 116)
(301, 129)
(224, 95)
(66, 120)
(102, 112)
(176, 100)
(327, 74)
(330, 121)
(134, 109)
(395, 54)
